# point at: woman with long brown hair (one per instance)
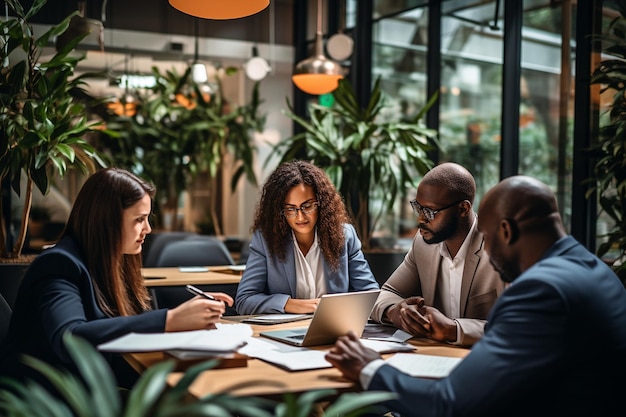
(303, 245)
(90, 282)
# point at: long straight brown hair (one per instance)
(95, 223)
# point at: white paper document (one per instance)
(296, 360)
(225, 338)
(292, 358)
(377, 331)
(193, 269)
(427, 366)
(385, 346)
(276, 318)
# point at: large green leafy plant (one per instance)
(42, 123)
(178, 132)
(609, 145)
(363, 154)
(95, 394)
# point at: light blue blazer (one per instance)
(267, 283)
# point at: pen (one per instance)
(198, 291)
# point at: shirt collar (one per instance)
(443, 249)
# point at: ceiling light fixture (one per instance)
(256, 68)
(198, 69)
(317, 74)
(219, 9)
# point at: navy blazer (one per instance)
(554, 345)
(57, 296)
(267, 283)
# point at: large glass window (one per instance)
(471, 87)
(547, 104)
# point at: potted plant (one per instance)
(42, 123)
(179, 132)
(363, 154)
(609, 142)
(96, 394)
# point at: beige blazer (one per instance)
(418, 274)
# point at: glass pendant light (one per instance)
(317, 74)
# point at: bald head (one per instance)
(457, 181)
(520, 220)
(526, 200)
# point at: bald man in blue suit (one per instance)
(555, 342)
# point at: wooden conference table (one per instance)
(174, 276)
(166, 284)
(260, 378)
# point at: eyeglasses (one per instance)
(428, 212)
(306, 208)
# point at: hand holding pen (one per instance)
(197, 314)
(198, 291)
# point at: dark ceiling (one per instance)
(159, 17)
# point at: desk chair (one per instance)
(198, 250)
(5, 319)
(156, 242)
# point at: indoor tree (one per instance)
(42, 122)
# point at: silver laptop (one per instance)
(335, 315)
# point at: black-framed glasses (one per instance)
(428, 212)
(306, 208)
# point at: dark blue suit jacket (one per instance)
(554, 345)
(57, 296)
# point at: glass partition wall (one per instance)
(476, 92)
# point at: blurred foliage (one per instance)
(178, 129)
(93, 393)
(43, 115)
(609, 143)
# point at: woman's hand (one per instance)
(227, 299)
(299, 306)
(197, 313)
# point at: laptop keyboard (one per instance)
(296, 336)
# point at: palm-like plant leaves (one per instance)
(95, 394)
(42, 124)
(609, 148)
(362, 154)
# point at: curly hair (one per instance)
(332, 213)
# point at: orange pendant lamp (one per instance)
(220, 9)
(317, 74)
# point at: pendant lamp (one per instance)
(317, 74)
(198, 69)
(220, 9)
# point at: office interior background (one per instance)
(513, 78)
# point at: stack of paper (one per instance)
(225, 338)
(295, 358)
(425, 366)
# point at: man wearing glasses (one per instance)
(445, 287)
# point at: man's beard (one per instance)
(447, 231)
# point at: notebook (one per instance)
(335, 315)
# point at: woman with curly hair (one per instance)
(303, 245)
